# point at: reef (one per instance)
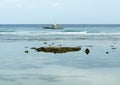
(56, 49)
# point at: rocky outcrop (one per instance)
(55, 49)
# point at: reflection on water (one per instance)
(74, 68)
(63, 75)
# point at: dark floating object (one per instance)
(60, 45)
(55, 49)
(26, 47)
(111, 46)
(45, 42)
(52, 43)
(114, 48)
(89, 46)
(107, 52)
(87, 51)
(26, 51)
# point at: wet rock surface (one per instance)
(87, 51)
(55, 49)
(26, 51)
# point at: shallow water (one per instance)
(100, 67)
(18, 67)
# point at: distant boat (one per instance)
(53, 26)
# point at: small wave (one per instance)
(35, 33)
(73, 31)
(7, 31)
(40, 33)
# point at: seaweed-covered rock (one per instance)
(55, 49)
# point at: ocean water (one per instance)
(100, 67)
(69, 32)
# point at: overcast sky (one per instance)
(60, 11)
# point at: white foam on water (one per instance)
(36, 33)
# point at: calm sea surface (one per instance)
(100, 67)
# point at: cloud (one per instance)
(8, 3)
(55, 4)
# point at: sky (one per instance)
(60, 11)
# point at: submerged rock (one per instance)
(89, 46)
(45, 42)
(107, 52)
(52, 43)
(26, 47)
(55, 49)
(60, 45)
(26, 51)
(87, 51)
(114, 48)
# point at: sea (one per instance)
(35, 32)
(100, 67)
